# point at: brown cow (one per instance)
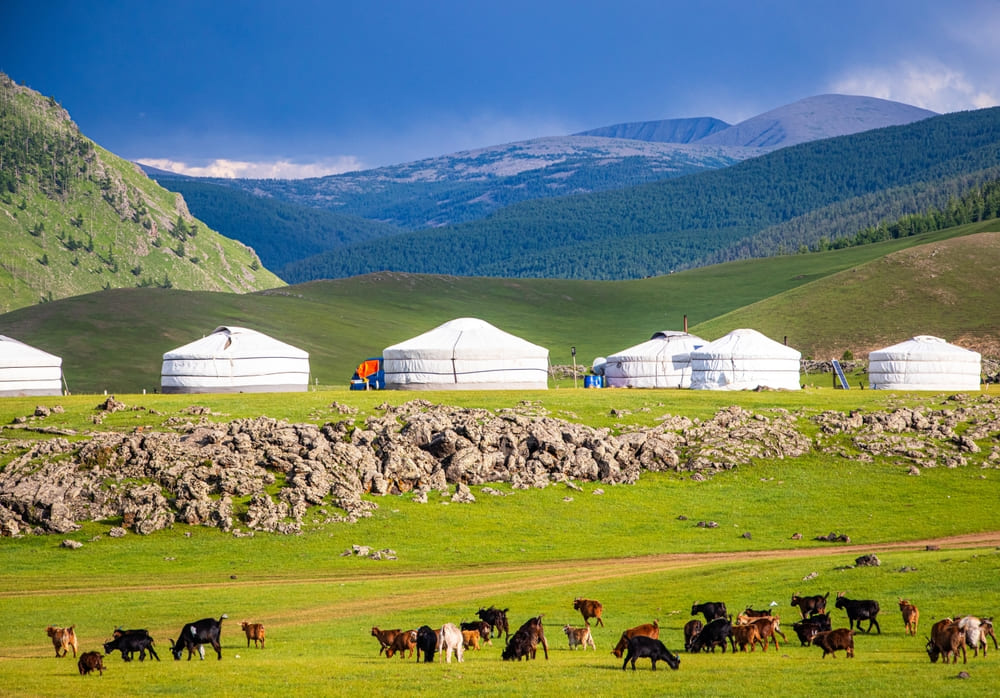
(833, 640)
(650, 630)
(89, 661)
(384, 637)
(911, 616)
(255, 632)
(402, 642)
(63, 639)
(589, 608)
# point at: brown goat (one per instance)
(946, 640)
(255, 632)
(402, 642)
(769, 629)
(589, 608)
(384, 637)
(747, 634)
(470, 639)
(650, 630)
(63, 639)
(90, 661)
(911, 616)
(833, 640)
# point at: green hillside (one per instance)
(115, 339)
(76, 219)
(681, 223)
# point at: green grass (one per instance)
(532, 551)
(115, 340)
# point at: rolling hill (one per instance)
(115, 339)
(75, 219)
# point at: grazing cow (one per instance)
(713, 635)
(481, 627)
(402, 642)
(832, 640)
(641, 646)
(746, 634)
(651, 630)
(769, 629)
(946, 640)
(858, 611)
(580, 637)
(384, 637)
(589, 608)
(128, 642)
(810, 605)
(194, 636)
(710, 610)
(63, 639)
(497, 618)
(470, 639)
(524, 643)
(807, 628)
(427, 643)
(90, 661)
(450, 640)
(691, 630)
(255, 632)
(911, 616)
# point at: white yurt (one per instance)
(924, 363)
(235, 360)
(27, 371)
(466, 354)
(662, 362)
(745, 360)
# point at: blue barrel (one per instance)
(592, 382)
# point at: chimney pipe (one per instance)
(685, 324)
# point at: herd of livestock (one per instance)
(948, 638)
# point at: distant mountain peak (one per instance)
(815, 118)
(662, 131)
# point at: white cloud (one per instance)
(240, 169)
(930, 85)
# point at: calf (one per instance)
(90, 661)
(524, 643)
(832, 640)
(255, 632)
(769, 629)
(691, 630)
(946, 640)
(497, 618)
(810, 605)
(481, 627)
(450, 640)
(427, 643)
(384, 637)
(641, 646)
(807, 628)
(402, 642)
(589, 608)
(744, 635)
(651, 630)
(713, 635)
(710, 610)
(911, 616)
(128, 642)
(580, 637)
(858, 611)
(63, 639)
(194, 636)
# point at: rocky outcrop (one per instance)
(267, 475)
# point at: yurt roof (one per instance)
(660, 342)
(14, 353)
(468, 337)
(236, 343)
(746, 344)
(924, 347)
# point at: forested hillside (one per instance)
(75, 218)
(681, 223)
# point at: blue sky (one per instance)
(302, 88)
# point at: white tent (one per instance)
(662, 362)
(466, 354)
(924, 363)
(27, 371)
(235, 360)
(744, 360)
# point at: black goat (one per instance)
(858, 611)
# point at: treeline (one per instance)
(679, 223)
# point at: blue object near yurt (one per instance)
(593, 381)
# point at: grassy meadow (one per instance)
(532, 551)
